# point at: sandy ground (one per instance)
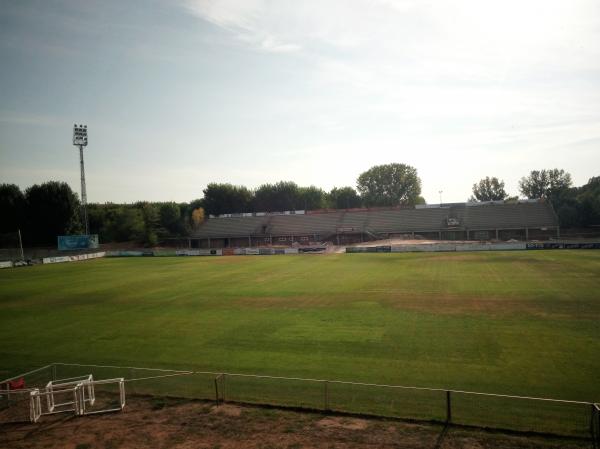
(398, 242)
(389, 242)
(168, 423)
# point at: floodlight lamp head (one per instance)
(80, 135)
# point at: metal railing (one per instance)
(456, 407)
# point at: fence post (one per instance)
(593, 430)
(592, 418)
(326, 395)
(598, 423)
(224, 377)
(448, 408)
(217, 389)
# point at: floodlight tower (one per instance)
(80, 140)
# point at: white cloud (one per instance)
(459, 30)
(458, 88)
(246, 20)
(15, 118)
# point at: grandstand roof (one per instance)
(471, 216)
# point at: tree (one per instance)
(98, 217)
(52, 210)
(311, 198)
(489, 189)
(589, 199)
(124, 224)
(170, 218)
(389, 185)
(151, 216)
(187, 209)
(281, 196)
(569, 214)
(193, 205)
(578, 206)
(226, 199)
(544, 183)
(197, 217)
(12, 208)
(343, 198)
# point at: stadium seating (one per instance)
(384, 221)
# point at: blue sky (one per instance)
(180, 93)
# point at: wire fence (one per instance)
(484, 410)
(596, 426)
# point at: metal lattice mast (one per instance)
(83, 194)
(80, 139)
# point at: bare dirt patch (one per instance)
(227, 409)
(176, 424)
(401, 242)
(343, 423)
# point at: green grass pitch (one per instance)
(525, 323)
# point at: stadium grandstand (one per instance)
(495, 220)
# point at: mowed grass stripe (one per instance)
(508, 322)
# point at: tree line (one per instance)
(381, 185)
(46, 210)
(574, 206)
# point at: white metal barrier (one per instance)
(35, 406)
(76, 395)
(54, 387)
(66, 394)
(86, 405)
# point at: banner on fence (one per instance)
(443, 247)
(199, 252)
(164, 253)
(76, 258)
(72, 242)
(312, 249)
(58, 259)
(412, 248)
(508, 246)
(473, 247)
(563, 245)
(6, 264)
(124, 253)
(354, 249)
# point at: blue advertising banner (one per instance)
(71, 242)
